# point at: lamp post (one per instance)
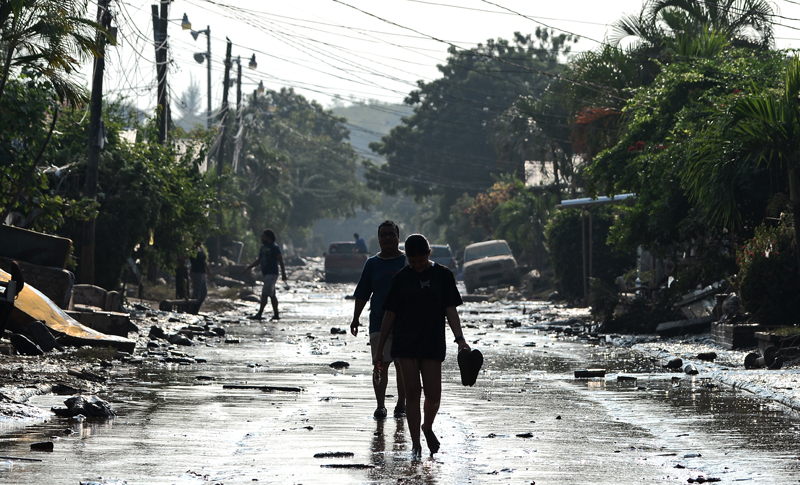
(199, 57)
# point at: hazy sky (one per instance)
(362, 48)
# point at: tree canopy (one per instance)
(444, 147)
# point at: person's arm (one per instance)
(386, 330)
(252, 265)
(279, 257)
(455, 326)
(359, 307)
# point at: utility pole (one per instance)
(160, 37)
(96, 142)
(238, 132)
(222, 149)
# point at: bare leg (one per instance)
(409, 368)
(274, 299)
(432, 383)
(380, 387)
(401, 390)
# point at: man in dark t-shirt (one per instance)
(373, 286)
(422, 296)
(269, 257)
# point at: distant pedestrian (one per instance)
(376, 278)
(361, 244)
(198, 270)
(269, 257)
(421, 297)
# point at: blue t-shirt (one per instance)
(376, 279)
(361, 245)
(269, 258)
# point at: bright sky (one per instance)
(366, 49)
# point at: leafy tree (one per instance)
(150, 196)
(444, 148)
(30, 112)
(309, 169)
(665, 124)
(763, 133)
(744, 23)
(49, 37)
(566, 250)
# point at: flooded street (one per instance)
(526, 420)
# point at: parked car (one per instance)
(343, 262)
(442, 255)
(489, 263)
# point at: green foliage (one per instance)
(564, 239)
(444, 148)
(146, 192)
(30, 109)
(768, 278)
(603, 300)
(51, 38)
(745, 23)
(298, 165)
(685, 111)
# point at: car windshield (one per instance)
(496, 249)
(441, 252)
(342, 248)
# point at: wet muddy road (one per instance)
(526, 420)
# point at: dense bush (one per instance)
(768, 280)
(564, 243)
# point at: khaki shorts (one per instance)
(374, 337)
(269, 286)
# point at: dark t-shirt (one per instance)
(376, 278)
(198, 263)
(269, 258)
(419, 300)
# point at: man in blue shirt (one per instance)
(269, 257)
(376, 279)
(361, 244)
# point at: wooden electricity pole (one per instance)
(160, 37)
(96, 142)
(222, 148)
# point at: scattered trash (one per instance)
(707, 356)
(262, 387)
(87, 406)
(334, 454)
(588, 373)
(675, 363)
(42, 446)
(771, 359)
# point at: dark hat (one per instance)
(469, 363)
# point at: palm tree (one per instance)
(51, 38)
(768, 129)
(742, 22)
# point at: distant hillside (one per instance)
(368, 123)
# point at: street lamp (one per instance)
(199, 57)
(261, 88)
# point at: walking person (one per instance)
(376, 278)
(198, 271)
(269, 257)
(422, 295)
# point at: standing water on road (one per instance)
(526, 420)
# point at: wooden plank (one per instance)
(262, 387)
